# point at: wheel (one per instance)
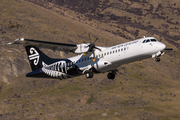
(89, 74)
(158, 59)
(111, 76)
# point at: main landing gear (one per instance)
(89, 73)
(112, 74)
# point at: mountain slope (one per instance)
(140, 91)
(129, 19)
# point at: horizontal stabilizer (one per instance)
(37, 73)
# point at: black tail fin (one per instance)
(36, 58)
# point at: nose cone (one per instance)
(162, 46)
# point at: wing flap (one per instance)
(44, 44)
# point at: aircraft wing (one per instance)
(44, 44)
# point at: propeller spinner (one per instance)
(92, 47)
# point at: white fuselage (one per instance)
(112, 57)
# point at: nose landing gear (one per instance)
(158, 59)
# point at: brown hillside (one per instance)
(147, 91)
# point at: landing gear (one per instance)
(112, 74)
(158, 59)
(89, 73)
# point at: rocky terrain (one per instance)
(119, 17)
(147, 91)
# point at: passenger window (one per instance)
(121, 49)
(104, 54)
(124, 48)
(107, 53)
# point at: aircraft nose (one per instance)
(162, 46)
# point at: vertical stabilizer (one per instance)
(37, 58)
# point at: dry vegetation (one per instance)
(147, 91)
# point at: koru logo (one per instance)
(34, 56)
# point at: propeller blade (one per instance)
(89, 38)
(82, 41)
(98, 49)
(96, 40)
(92, 46)
(94, 57)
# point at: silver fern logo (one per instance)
(34, 56)
(58, 69)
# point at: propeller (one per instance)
(92, 46)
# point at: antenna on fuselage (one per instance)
(144, 36)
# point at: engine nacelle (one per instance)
(82, 48)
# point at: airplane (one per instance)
(90, 59)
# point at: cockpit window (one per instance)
(147, 41)
(144, 41)
(153, 40)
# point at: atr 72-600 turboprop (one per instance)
(90, 59)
